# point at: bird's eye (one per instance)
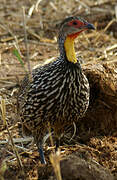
(74, 23)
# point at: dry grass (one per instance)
(34, 35)
(55, 161)
(3, 109)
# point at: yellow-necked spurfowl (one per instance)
(58, 92)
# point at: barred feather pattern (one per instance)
(58, 94)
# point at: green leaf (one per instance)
(16, 53)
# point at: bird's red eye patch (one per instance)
(76, 23)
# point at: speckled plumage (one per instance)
(58, 94)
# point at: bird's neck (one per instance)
(66, 47)
(69, 49)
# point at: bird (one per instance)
(58, 93)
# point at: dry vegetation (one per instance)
(97, 131)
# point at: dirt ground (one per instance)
(92, 153)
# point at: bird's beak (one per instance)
(89, 26)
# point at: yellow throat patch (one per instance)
(69, 48)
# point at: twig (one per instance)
(55, 160)
(109, 24)
(83, 4)
(6, 28)
(18, 140)
(55, 157)
(37, 4)
(30, 31)
(22, 148)
(51, 140)
(14, 148)
(53, 6)
(31, 11)
(116, 11)
(26, 43)
(105, 29)
(3, 108)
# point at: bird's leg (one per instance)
(39, 144)
(58, 134)
(57, 143)
(41, 153)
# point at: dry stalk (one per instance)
(18, 140)
(83, 4)
(53, 6)
(51, 140)
(13, 36)
(30, 31)
(105, 29)
(116, 11)
(109, 24)
(37, 4)
(26, 44)
(3, 109)
(30, 12)
(55, 161)
(86, 37)
(55, 158)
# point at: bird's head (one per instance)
(70, 28)
(73, 26)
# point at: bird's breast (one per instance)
(68, 94)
